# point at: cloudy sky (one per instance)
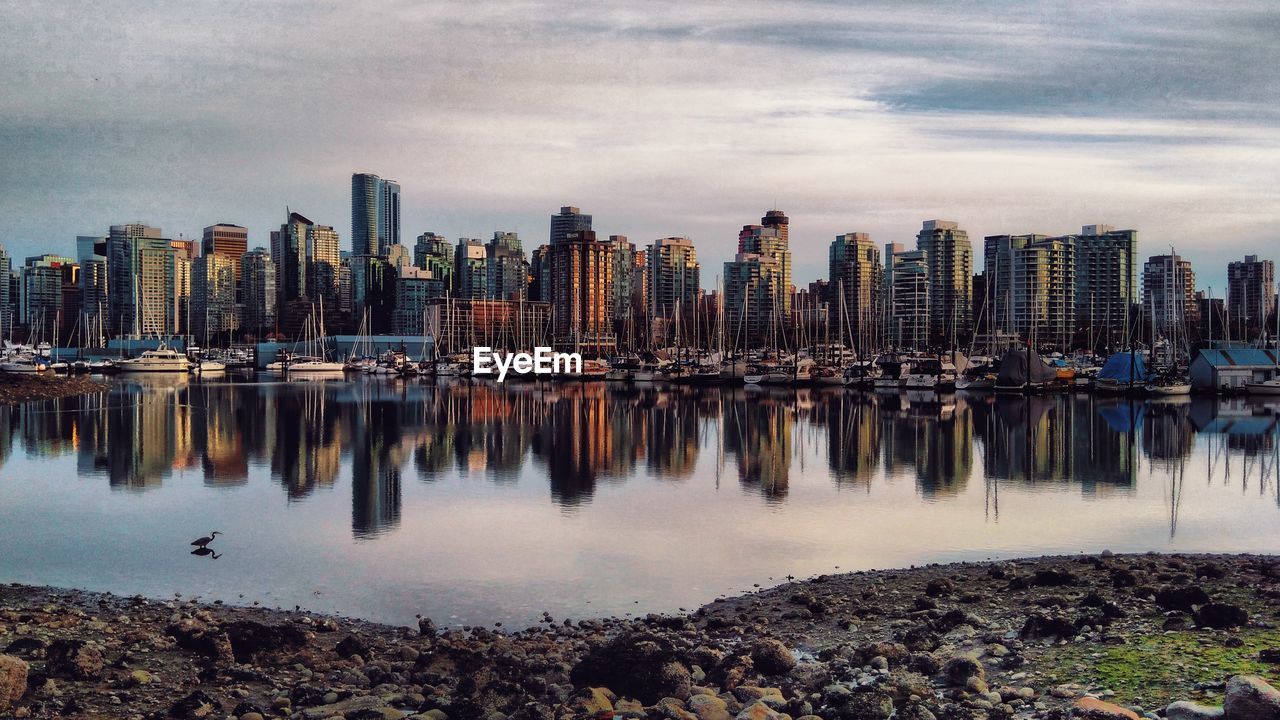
(660, 119)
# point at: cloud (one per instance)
(659, 118)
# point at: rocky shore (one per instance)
(25, 388)
(1098, 637)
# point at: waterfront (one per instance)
(475, 503)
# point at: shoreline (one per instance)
(17, 389)
(1002, 639)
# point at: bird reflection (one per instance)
(206, 552)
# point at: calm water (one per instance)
(477, 503)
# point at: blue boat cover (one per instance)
(1125, 367)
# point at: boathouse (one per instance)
(1228, 370)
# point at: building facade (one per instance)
(375, 214)
(1169, 297)
(213, 297)
(674, 277)
(258, 292)
(469, 270)
(580, 277)
(569, 220)
(1032, 289)
(1251, 295)
(855, 274)
(907, 290)
(1106, 284)
(950, 257)
(306, 257)
(506, 270)
(143, 282)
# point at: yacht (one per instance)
(891, 372)
(20, 365)
(1265, 387)
(162, 359)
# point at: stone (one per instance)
(75, 659)
(1039, 625)
(1187, 710)
(13, 681)
(249, 638)
(196, 706)
(708, 707)
(758, 711)
(1221, 616)
(866, 706)
(1095, 709)
(1183, 598)
(1269, 655)
(771, 657)
(959, 669)
(140, 677)
(1249, 697)
(590, 702)
(352, 645)
(196, 636)
(635, 664)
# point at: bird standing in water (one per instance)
(201, 542)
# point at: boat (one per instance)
(892, 372)
(208, 367)
(1022, 370)
(861, 374)
(1170, 386)
(930, 374)
(1265, 387)
(162, 359)
(1124, 372)
(827, 375)
(23, 366)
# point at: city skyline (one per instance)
(1011, 119)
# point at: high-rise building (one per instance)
(1251, 294)
(415, 288)
(580, 276)
(8, 309)
(143, 282)
(770, 239)
(373, 288)
(227, 240)
(753, 307)
(469, 272)
(855, 275)
(1106, 283)
(375, 214)
(213, 296)
(91, 255)
(568, 220)
(950, 258)
(42, 281)
(629, 284)
(399, 256)
(1169, 296)
(306, 258)
(1032, 289)
(434, 254)
(506, 270)
(540, 274)
(907, 288)
(258, 290)
(674, 278)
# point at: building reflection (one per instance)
(576, 437)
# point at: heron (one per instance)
(201, 542)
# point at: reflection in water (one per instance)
(582, 435)
(485, 502)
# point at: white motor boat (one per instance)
(1266, 387)
(208, 367)
(162, 359)
(23, 366)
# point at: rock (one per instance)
(26, 647)
(1269, 655)
(426, 627)
(1181, 598)
(1053, 577)
(195, 706)
(1187, 710)
(864, 706)
(959, 669)
(939, 587)
(75, 659)
(771, 657)
(13, 681)
(1221, 615)
(1095, 709)
(249, 638)
(1249, 697)
(635, 664)
(1039, 625)
(758, 711)
(352, 645)
(196, 636)
(708, 707)
(140, 677)
(344, 708)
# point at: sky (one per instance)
(659, 119)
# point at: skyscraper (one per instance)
(568, 220)
(1106, 283)
(950, 258)
(1168, 296)
(855, 275)
(227, 240)
(506, 270)
(629, 285)
(434, 254)
(469, 270)
(258, 290)
(375, 214)
(757, 283)
(580, 275)
(42, 281)
(306, 259)
(213, 296)
(1251, 294)
(7, 310)
(907, 288)
(91, 255)
(1032, 288)
(674, 278)
(143, 282)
